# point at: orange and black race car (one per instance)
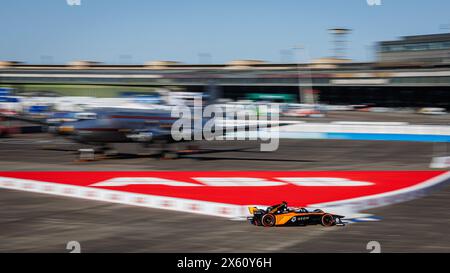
(282, 215)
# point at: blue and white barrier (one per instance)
(368, 131)
(375, 131)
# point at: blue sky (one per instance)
(136, 31)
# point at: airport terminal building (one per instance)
(411, 72)
(423, 48)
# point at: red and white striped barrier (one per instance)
(228, 194)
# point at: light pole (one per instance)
(304, 97)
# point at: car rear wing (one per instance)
(252, 210)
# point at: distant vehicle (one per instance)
(86, 116)
(38, 110)
(184, 98)
(104, 126)
(9, 99)
(4, 131)
(9, 104)
(361, 107)
(273, 98)
(5, 91)
(405, 110)
(7, 112)
(282, 215)
(303, 110)
(433, 111)
(62, 117)
(338, 108)
(380, 110)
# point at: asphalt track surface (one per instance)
(44, 152)
(43, 223)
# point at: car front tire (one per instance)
(327, 220)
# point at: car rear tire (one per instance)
(327, 220)
(268, 220)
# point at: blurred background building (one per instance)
(422, 48)
(411, 72)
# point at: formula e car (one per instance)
(282, 215)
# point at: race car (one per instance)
(282, 215)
